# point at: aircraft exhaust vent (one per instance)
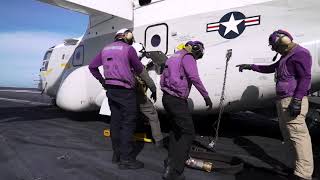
(144, 2)
(68, 42)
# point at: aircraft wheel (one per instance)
(54, 102)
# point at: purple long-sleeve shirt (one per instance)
(299, 65)
(190, 66)
(131, 54)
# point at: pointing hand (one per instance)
(244, 66)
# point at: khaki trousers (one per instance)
(147, 108)
(296, 134)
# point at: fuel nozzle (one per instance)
(199, 164)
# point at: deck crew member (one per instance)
(180, 73)
(293, 79)
(120, 63)
(146, 107)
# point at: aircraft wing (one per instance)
(120, 8)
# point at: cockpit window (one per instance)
(44, 65)
(46, 59)
(47, 55)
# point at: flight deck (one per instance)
(39, 141)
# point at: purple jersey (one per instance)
(120, 62)
(179, 74)
(293, 73)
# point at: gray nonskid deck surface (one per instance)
(44, 142)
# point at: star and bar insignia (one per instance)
(232, 24)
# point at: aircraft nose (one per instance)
(73, 94)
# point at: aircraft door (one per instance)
(156, 38)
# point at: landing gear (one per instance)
(313, 121)
(53, 101)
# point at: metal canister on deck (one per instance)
(199, 164)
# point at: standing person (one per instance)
(179, 74)
(146, 107)
(120, 62)
(293, 79)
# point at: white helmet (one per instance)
(122, 31)
(126, 35)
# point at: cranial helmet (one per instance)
(279, 38)
(126, 35)
(197, 48)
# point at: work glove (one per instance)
(208, 102)
(294, 107)
(154, 96)
(244, 66)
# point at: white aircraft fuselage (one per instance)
(243, 26)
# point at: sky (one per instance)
(27, 29)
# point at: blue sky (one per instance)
(27, 29)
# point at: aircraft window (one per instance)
(44, 65)
(78, 56)
(47, 55)
(63, 56)
(155, 40)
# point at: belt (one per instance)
(121, 80)
(110, 86)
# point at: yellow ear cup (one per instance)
(129, 36)
(181, 46)
(188, 48)
(285, 40)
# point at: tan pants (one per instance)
(147, 108)
(295, 133)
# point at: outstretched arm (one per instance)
(265, 68)
(259, 68)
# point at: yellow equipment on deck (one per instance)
(137, 136)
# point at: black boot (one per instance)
(130, 164)
(171, 174)
(115, 158)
